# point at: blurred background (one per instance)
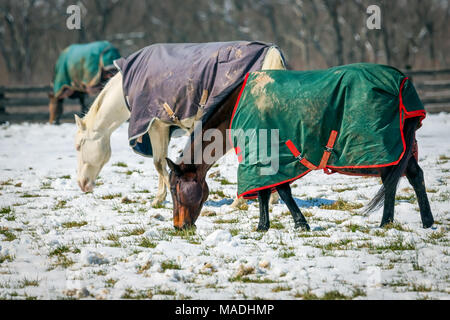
(312, 33)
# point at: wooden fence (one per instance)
(433, 87)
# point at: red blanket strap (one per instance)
(298, 155)
(325, 157)
(329, 148)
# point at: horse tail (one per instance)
(274, 60)
(395, 172)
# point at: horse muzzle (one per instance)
(86, 185)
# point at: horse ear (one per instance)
(174, 167)
(80, 123)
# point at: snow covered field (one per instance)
(58, 243)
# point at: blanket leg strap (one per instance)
(299, 156)
(328, 150)
(325, 156)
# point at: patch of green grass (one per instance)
(6, 257)
(46, 185)
(166, 292)
(130, 172)
(170, 264)
(286, 254)
(220, 220)
(234, 232)
(59, 251)
(5, 210)
(147, 243)
(245, 279)
(8, 182)
(354, 227)
(28, 195)
(420, 288)
(60, 205)
(342, 244)
(140, 295)
(8, 234)
(74, 224)
(281, 288)
(159, 206)
(343, 189)
(110, 283)
(276, 225)
(411, 198)
(224, 181)
(133, 232)
(65, 177)
(188, 234)
(111, 196)
(397, 226)
(342, 205)
(112, 237)
(120, 164)
(28, 283)
(393, 245)
(218, 193)
(306, 295)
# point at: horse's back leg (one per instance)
(264, 220)
(55, 110)
(284, 190)
(390, 189)
(159, 138)
(415, 177)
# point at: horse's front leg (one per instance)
(84, 107)
(159, 138)
(264, 220)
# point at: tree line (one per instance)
(312, 33)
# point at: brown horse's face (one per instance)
(189, 192)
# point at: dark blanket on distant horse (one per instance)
(180, 78)
(79, 67)
(340, 119)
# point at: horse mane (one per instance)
(91, 115)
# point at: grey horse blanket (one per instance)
(172, 81)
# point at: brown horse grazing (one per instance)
(190, 190)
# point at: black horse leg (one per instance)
(84, 108)
(284, 190)
(264, 221)
(389, 197)
(415, 177)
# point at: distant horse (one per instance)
(81, 70)
(344, 96)
(109, 111)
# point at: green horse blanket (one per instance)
(287, 123)
(79, 67)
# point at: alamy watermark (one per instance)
(73, 22)
(374, 20)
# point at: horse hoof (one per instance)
(304, 226)
(262, 228)
(428, 224)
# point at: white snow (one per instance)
(56, 242)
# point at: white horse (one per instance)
(109, 111)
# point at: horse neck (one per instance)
(219, 120)
(109, 109)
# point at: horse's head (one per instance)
(189, 191)
(93, 151)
